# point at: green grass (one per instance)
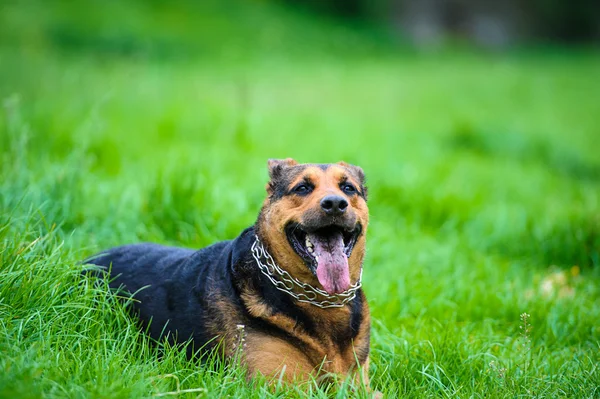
(137, 122)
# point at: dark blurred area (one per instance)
(240, 30)
(484, 22)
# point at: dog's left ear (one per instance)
(276, 169)
(358, 174)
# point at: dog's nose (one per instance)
(334, 205)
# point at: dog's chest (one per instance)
(269, 354)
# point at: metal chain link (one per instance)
(286, 282)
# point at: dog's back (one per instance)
(168, 285)
(138, 265)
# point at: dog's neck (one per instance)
(326, 331)
(300, 291)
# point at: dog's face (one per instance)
(314, 221)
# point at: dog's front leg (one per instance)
(276, 359)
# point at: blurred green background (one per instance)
(478, 126)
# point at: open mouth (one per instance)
(325, 251)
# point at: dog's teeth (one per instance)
(308, 243)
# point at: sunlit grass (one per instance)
(484, 185)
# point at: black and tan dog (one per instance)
(285, 294)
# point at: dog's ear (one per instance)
(358, 174)
(276, 169)
(276, 166)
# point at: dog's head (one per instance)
(314, 221)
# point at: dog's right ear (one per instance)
(276, 168)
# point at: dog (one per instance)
(285, 295)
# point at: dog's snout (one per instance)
(334, 205)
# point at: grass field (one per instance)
(133, 121)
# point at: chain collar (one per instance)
(284, 282)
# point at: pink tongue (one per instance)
(332, 266)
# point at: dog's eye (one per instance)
(302, 189)
(348, 188)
